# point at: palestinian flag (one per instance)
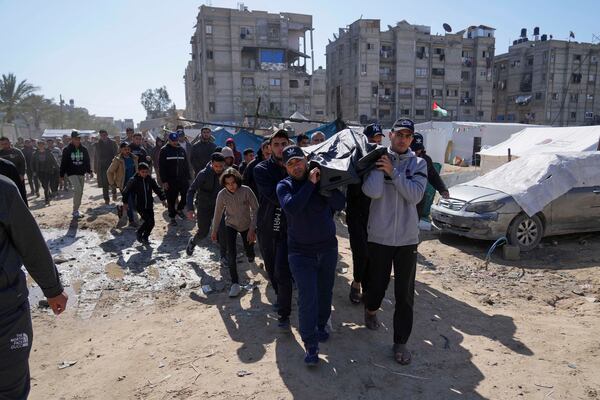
(439, 110)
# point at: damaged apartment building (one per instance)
(380, 76)
(546, 81)
(240, 55)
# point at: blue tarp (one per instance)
(271, 56)
(328, 130)
(243, 139)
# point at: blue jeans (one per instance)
(314, 275)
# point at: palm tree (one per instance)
(35, 108)
(13, 94)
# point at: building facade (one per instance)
(240, 55)
(547, 82)
(380, 76)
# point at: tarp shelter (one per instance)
(59, 133)
(243, 139)
(445, 140)
(536, 179)
(541, 140)
(295, 127)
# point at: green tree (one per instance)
(156, 102)
(13, 94)
(35, 109)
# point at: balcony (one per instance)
(467, 61)
(466, 101)
(385, 99)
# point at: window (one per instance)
(211, 81)
(515, 64)
(420, 112)
(484, 54)
(248, 82)
(209, 54)
(340, 72)
(589, 115)
(404, 91)
(480, 113)
(405, 111)
(543, 77)
(319, 112)
(363, 69)
(421, 52)
(306, 82)
(420, 92)
(374, 90)
(538, 95)
(369, 46)
(574, 97)
(482, 73)
(576, 78)
(293, 83)
(552, 76)
(530, 61)
(464, 75)
(555, 96)
(245, 32)
(573, 115)
(208, 29)
(274, 82)
(273, 31)
(591, 78)
(502, 66)
(437, 71)
(436, 92)
(451, 92)
(577, 57)
(590, 97)
(421, 72)
(211, 107)
(466, 111)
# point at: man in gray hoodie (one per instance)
(395, 188)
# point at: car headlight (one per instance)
(484, 207)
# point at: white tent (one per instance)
(445, 140)
(541, 140)
(298, 127)
(58, 133)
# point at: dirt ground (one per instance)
(140, 326)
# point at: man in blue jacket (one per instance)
(312, 246)
(395, 188)
(271, 226)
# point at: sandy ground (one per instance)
(139, 325)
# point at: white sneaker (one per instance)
(235, 290)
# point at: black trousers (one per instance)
(204, 218)
(404, 260)
(147, 225)
(266, 244)
(273, 248)
(16, 335)
(34, 184)
(176, 189)
(231, 238)
(45, 180)
(54, 181)
(357, 230)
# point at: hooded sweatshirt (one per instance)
(75, 161)
(393, 219)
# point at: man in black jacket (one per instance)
(175, 174)
(106, 150)
(142, 185)
(75, 163)
(433, 178)
(271, 226)
(44, 167)
(21, 243)
(202, 150)
(14, 155)
(9, 170)
(264, 153)
(28, 150)
(205, 187)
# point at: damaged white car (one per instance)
(525, 200)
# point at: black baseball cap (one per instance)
(417, 143)
(403, 123)
(292, 152)
(373, 130)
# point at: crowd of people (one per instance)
(271, 197)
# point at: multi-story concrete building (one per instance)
(548, 82)
(381, 76)
(318, 94)
(240, 55)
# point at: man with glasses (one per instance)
(395, 187)
(271, 226)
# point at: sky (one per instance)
(105, 53)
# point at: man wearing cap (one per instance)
(434, 179)
(175, 175)
(106, 149)
(312, 246)
(395, 187)
(202, 150)
(317, 137)
(357, 218)
(271, 226)
(264, 153)
(75, 163)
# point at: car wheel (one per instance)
(526, 232)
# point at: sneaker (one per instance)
(284, 324)
(189, 250)
(235, 290)
(181, 214)
(311, 358)
(47, 202)
(173, 222)
(322, 335)
(77, 215)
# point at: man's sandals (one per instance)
(401, 354)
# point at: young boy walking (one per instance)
(239, 204)
(141, 186)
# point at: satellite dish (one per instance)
(447, 28)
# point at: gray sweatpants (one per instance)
(77, 182)
(16, 335)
